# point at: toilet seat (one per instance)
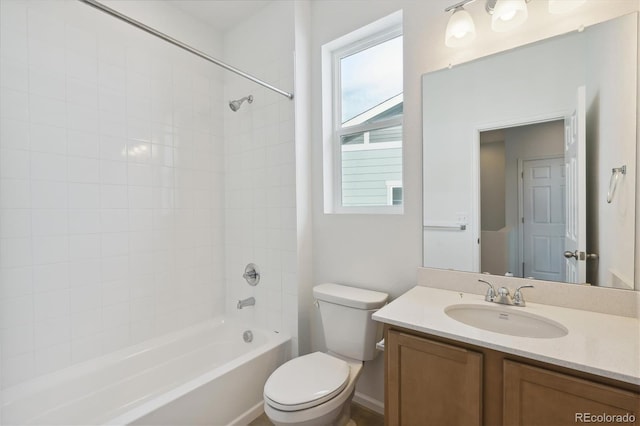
(306, 382)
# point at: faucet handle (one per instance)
(518, 299)
(491, 292)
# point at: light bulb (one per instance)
(508, 14)
(460, 30)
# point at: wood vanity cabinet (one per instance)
(430, 380)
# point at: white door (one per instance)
(576, 201)
(543, 218)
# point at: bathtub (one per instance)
(206, 374)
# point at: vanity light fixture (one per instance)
(564, 6)
(505, 16)
(460, 30)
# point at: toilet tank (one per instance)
(346, 319)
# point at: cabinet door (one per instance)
(431, 383)
(535, 396)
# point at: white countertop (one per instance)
(602, 344)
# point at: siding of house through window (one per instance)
(365, 174)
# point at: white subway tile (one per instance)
(14, 163)
(49, 195)
(83, 299)
(83, 170)
(115, 244)
(85, 272)
(51, 277)
(83, 67)
(14, 76)
(14, 134)
(50, 249)
(113, 197)
(82, 93)
(47, 83)
(113, 172)
(53, 304)
(48, 111)
(83, 118)
(15, 193)
(52, 139)
(47, 166)
(86, 348)
(17, 341)
(113, 148)
(17, 311)
(84, 195)
(53, 358)
(85, 221)
(15, 252)
(15, 282)
(83, 144)
(14, 104)
(15, 223)
(114, 268)
(49, 222)
(52, 332)
(87, 322)
(17, 369)
(114, 220)
(85, 246)
(115, 338)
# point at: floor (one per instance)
(361, 415)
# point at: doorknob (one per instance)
(578, 255)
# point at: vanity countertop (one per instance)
(601, 344)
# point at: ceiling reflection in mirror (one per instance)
(520, 152)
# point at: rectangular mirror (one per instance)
(529, 159)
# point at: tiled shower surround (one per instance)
(111, 182)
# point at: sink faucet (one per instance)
(246, 302)
(503, 296)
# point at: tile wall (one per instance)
(260, 174)
(112, 184)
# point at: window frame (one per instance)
(366, 40)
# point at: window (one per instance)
(362, 120)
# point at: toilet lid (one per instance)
(306, 381)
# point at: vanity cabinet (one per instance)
(430, 380)
(566, 399)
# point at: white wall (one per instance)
(605, 108)
(111, 182)
(260, 166)
(382, 252)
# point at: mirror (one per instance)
(505, 180)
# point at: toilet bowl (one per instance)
(316, 389)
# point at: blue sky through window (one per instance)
(370, 77)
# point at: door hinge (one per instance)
(522, 219)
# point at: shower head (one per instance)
(235, 105)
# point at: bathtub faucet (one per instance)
(246, 302)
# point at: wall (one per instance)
(111, 182)
(492, 185)
(383, 252)
(605, 108)
(260, 179)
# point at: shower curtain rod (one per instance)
(101, 7)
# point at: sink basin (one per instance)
(514, 321)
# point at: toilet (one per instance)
(316, 389)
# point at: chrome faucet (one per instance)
(503, 296)
(251, 301)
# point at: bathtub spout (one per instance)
(246, 302)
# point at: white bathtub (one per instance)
(205, 374)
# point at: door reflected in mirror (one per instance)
(522, 201)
